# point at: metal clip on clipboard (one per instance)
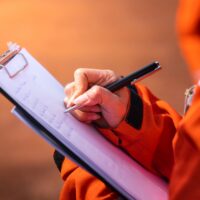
(17, 63)
(14, 56)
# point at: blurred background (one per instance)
(63, 35)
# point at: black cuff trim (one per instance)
(58, 158)
(135, 113)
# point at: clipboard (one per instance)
(20, 76)
(26, 118)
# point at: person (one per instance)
(188, 29)
(147, 128)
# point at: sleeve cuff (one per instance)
(135, 114)
(58, 158)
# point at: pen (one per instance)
(131, 78)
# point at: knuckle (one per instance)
(96, 89)
(95, 94)
(111, 75)
(79, 71)
(68, 87)
(88, 97)
(109, 71)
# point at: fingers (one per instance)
(98, 95)
(69, 91)
(95, 108)
(84, 78)
(93, 76)
(87, 117)
(91, 97)
(96, 101)
(69, 88)
(113, 106)
(80, 82)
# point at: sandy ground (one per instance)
(122, 35)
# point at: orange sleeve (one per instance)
(185, 180)
(151, 142)
(146, 134)
(188, 28)
(81, 185)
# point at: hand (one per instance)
(101, 106)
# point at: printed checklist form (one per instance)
(38, 99)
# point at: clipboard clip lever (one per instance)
(17, 61)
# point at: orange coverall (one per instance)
(156, 136)
(188, 28)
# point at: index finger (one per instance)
(85, 78)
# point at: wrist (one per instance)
(134, 111)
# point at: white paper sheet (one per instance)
(41, 95)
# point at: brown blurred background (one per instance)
(122, 35)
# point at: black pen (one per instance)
(131, 78)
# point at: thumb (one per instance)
(91, 97)
(113, 107)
